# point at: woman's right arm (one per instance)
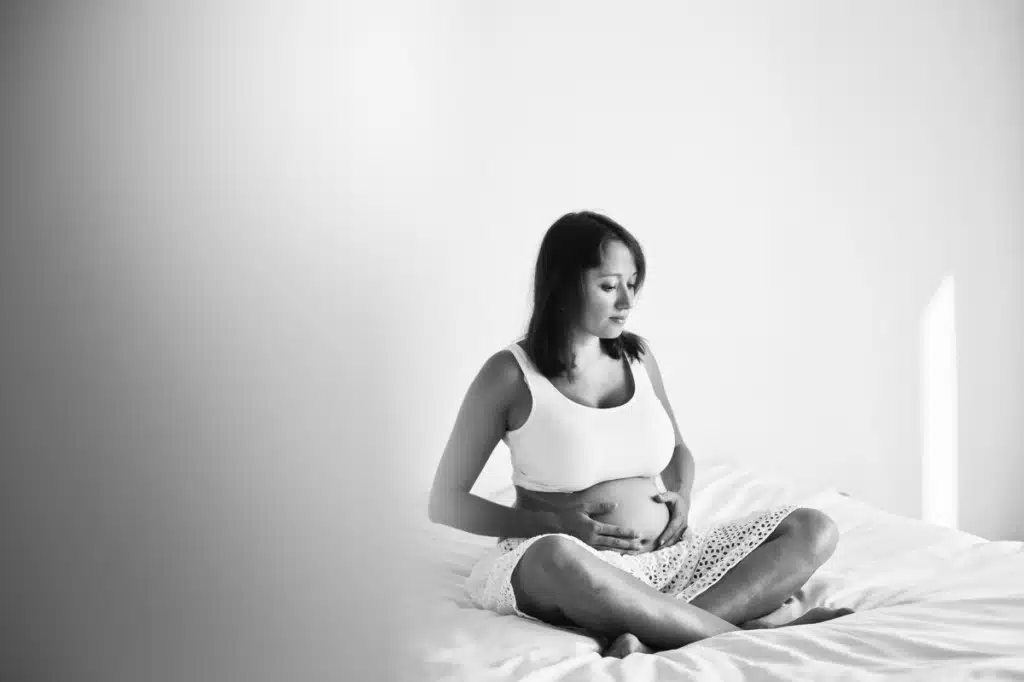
(479, 426)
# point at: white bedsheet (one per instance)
(932, 604)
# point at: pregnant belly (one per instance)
(636, 509)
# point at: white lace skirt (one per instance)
(684, 570)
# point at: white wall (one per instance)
(259, 253)
(803, 177)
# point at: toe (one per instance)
(624, 645)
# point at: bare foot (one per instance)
(626, 644)
(816, 615)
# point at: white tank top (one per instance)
(566, 447)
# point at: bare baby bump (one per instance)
(635, 508)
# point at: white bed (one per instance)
(932, 604)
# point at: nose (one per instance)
(625, 300)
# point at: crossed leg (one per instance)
(562, 583)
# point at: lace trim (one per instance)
(716, 561)
(684, 570)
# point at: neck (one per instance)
(587, 351)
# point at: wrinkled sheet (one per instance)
(931, 604)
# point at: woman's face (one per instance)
(609, 292)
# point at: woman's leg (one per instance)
(561, 583)
(769, 575)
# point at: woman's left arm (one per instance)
(678, 474)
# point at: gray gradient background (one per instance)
(224, 221)
(188, 493)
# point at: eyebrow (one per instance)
(611, 274)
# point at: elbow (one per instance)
(432, 510)
(435, 507)
(440, 506)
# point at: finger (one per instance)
(673, 532)
(617, 543)
(598, 508)
(670, 534)
(615, 531)
(677, 536)
(632, 552)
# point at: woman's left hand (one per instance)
(679, 512)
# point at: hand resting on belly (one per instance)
(635, 507)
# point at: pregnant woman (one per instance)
(598, 537)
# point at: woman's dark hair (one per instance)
(572, 245)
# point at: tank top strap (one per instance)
(639, 370)
(637, 366)
(530, 371)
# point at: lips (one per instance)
(618, 319)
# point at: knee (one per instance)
(551, 568)
(559, 563)
(556, 555)
(817, 531)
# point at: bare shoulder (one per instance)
(502, 377)
(502, 368)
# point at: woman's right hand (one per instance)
(577, 522)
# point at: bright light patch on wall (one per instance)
(939, 408)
